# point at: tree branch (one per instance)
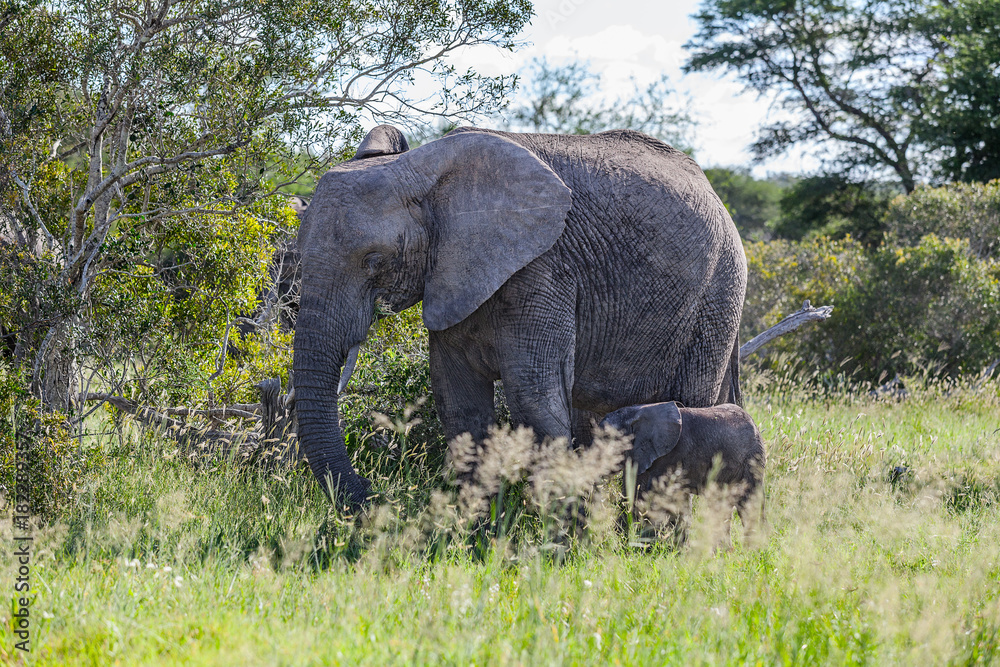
(159, 416)
(787, 325)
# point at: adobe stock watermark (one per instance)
(23, 539)
(562, 13)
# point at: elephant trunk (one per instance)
(318, 362)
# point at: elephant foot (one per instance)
(350, 495)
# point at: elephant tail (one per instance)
(730, 392)
(735, 395)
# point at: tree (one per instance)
(964, 121)
(142, 147)
(753, 203)
(851, 75)
(567, 100)
(908, 87)
(834, 206)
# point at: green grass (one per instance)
(161, 561)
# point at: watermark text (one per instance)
(21, 607)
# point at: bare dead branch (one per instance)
(145, 414)
(176, 428)
(986, 374)
(242, 410)
(787, 325)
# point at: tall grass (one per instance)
(882, 546)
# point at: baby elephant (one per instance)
(669, 438)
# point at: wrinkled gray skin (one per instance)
(668, 438)
(585, 272)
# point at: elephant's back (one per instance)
(633, 189)
(609, 161)
(658, 264)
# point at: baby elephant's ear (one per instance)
(657, 429)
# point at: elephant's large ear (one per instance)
(492, 207)
(383, 140)
(657, 429)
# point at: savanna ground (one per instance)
(882, 546)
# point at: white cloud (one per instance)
(620, 44)
(489, 60)
(643, 41)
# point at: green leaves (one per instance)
(832, 205)
(902, 88)
(970, 211)
(144, 151)
(752, 203)
(964, 116)
(932, 307)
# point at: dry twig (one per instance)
(787, 325)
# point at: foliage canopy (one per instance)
(907, 87)
(143, 146)
(754, 204)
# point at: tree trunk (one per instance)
(54, 377)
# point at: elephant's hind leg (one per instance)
(707, 365)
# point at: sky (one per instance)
(644, 39)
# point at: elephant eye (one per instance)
(372, 261)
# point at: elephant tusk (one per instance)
(288, 399)
(345, 377)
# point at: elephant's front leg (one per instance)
(539, 397)
(584, 422)
(536, 366)
(463, 393)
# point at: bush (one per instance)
(960, 210)
(783, 274)
(169, 312)
(56, 464)
(392, 378)
(935, 302)
(831, 205)
(933, 307)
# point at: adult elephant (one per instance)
(586, 272)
